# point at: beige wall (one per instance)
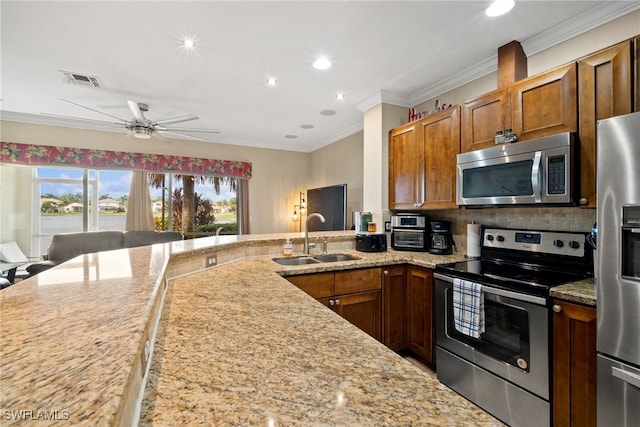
(340, 163)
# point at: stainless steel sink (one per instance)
(302, 260)
(296, 261)
(335, 257)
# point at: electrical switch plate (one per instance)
(211, 260)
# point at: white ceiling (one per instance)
(400, 52)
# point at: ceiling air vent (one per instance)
(81, 79)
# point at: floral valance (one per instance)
(28, 154)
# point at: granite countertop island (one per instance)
(236, 344)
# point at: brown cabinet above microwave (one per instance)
(537, 106)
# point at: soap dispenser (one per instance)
(288, 248)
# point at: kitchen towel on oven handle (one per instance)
(468, 307)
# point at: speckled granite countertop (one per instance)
(72, 343)
(582, 292)
(242, 346)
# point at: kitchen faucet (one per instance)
(306, 230)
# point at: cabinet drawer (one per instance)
(352, 281)
(318, 285)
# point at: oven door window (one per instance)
(409, 238)
(506, 335)
(508, 179)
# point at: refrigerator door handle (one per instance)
(626, 376)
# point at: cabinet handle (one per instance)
(385, 272)
(337, 302)
(331, 302)
(583, 201)
(556, 308)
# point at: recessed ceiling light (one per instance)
(499, 7)
(307, 126)
(340, 96)
(291, 136)
(272, 81)
(328, 112)
(322, 63)
(189, 43)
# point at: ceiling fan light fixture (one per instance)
(141, 132)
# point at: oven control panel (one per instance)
(549, 242)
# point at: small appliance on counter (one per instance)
(441, 239)
(409, 232)
(371, 242)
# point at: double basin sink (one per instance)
(302, 260)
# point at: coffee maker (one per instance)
(441, 240)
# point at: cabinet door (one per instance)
(362, 310)
(545, 104)
(406, 167)
(441, 135)
(574, 365)
(483, 117)
(606, 90)
(419, 312)
(394, 306)
(362, 280)
(318, 285)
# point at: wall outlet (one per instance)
(211, 260)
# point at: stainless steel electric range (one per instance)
(493, 319)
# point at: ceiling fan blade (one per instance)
(176, 120)
(91, 109)
(181, 135)
(82, 119)
(171, 129)
(135, 109)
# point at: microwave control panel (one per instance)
(557, 172)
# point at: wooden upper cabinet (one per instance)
(482, 117)
(606, 90)
(406, 167)
(441, 135)
(545, 104)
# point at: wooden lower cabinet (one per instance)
(419, 312)
(393, 305)
(355, 295)
(394, 309)
(574, 365)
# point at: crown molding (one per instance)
(383, 97)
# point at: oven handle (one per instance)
(500, 292)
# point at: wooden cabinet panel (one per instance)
(362, 280)
(362, 310)
(355, 295)
(318, 285)
(406, 167)
(606, 90)
(545, 104)
(394, 300)
(574, 365)
(419, 312)
(482, 117)
(441, 135)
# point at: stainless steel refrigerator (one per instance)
(617, 271)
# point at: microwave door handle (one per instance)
(536, 177)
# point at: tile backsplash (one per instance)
(530, 218)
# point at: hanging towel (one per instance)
(468, 307)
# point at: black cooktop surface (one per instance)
(509, 275)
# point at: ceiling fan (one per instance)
(143, 128)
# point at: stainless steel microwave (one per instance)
(531, 172)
